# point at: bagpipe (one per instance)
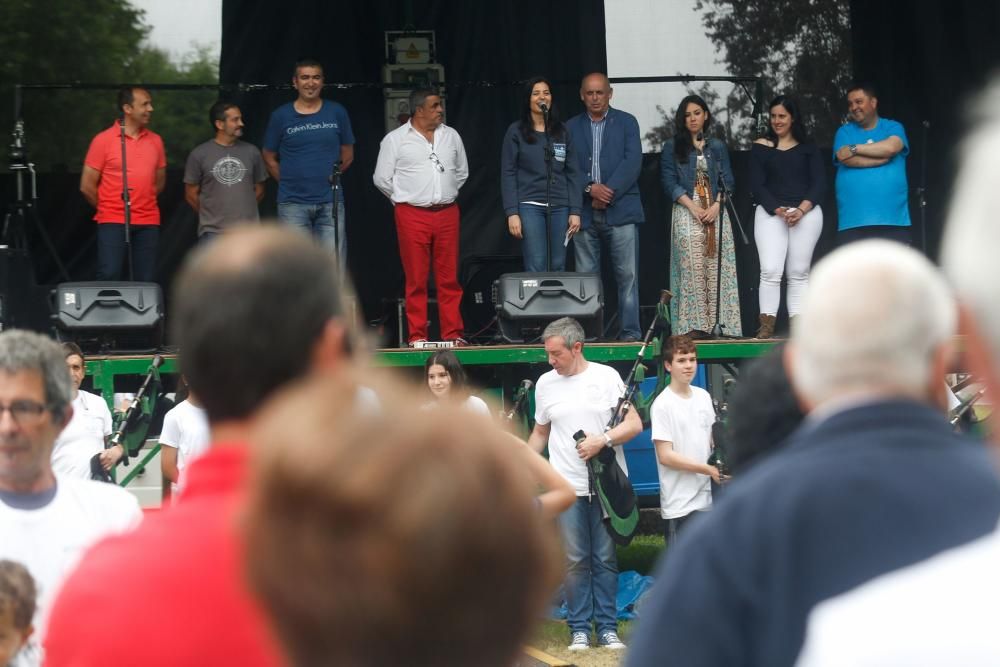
(131, 426)
(607, 479)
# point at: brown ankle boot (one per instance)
(766, 329)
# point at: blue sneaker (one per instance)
(579, 642)
(610, 640)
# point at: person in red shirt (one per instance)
(101, 185)
(244, 338)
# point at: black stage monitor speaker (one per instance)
(527, 302)
(109, 316)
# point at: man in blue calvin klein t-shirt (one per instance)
(305, 140)
(870, 155)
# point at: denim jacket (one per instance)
(678, 179)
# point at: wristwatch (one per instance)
(608, 442)
(853, 148)
(589, 187)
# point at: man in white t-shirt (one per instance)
(185, 437)
(88, 430)
(46, 521)
(578, 395)
(682, 418)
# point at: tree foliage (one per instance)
(800, 47)
(96, 42)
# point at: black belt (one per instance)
(435, 207)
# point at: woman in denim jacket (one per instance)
(690, 168)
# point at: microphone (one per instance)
(700, 136)
(544, 107)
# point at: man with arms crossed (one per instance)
(870, 155)
(224, 177)
(682, 417)
(304, 140)
(581, 395)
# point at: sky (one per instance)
(644, 38)
(180, 26)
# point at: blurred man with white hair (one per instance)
(942, 611)
(873, 480)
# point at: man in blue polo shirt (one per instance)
(305, 140)
(870, 155)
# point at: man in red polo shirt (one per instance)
(101, 185)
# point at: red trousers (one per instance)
(425, 233)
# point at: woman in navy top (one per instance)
(691, 166)
(787, 179)
(523, 181)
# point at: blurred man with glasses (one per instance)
(47, 521)
(421, 166)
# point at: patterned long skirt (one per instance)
(693, 277)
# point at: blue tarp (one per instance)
(631, 587)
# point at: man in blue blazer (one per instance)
(610, 152)
(873, 480)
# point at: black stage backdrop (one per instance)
(484, 48)
(928, 59)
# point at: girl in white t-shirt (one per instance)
(446, 381)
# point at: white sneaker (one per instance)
(610, 640)
(579, 642)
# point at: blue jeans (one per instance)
(533, 227)
(111, 251)
(592, 577)
(621, 243)
(317, 220)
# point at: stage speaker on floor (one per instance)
(104, 316)
(528, 302)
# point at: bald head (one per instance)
(596, 92)
(249, 311)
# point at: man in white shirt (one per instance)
(46, 521)
(421, 166)
(88, 430)
(578, 395)
(682, 417)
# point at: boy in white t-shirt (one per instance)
(185, 437)
(682, 418)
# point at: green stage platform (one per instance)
(105, 369)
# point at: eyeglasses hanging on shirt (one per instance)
(437, 163)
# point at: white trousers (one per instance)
(782, 248)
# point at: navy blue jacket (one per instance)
(621, 163)
(678, 179)
(867, 491)
(523, 172)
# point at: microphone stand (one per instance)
(725, 197)
(335, 186)
(922, 190)
(548, 190)
(127, 201)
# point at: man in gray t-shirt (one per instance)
(224, 177)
